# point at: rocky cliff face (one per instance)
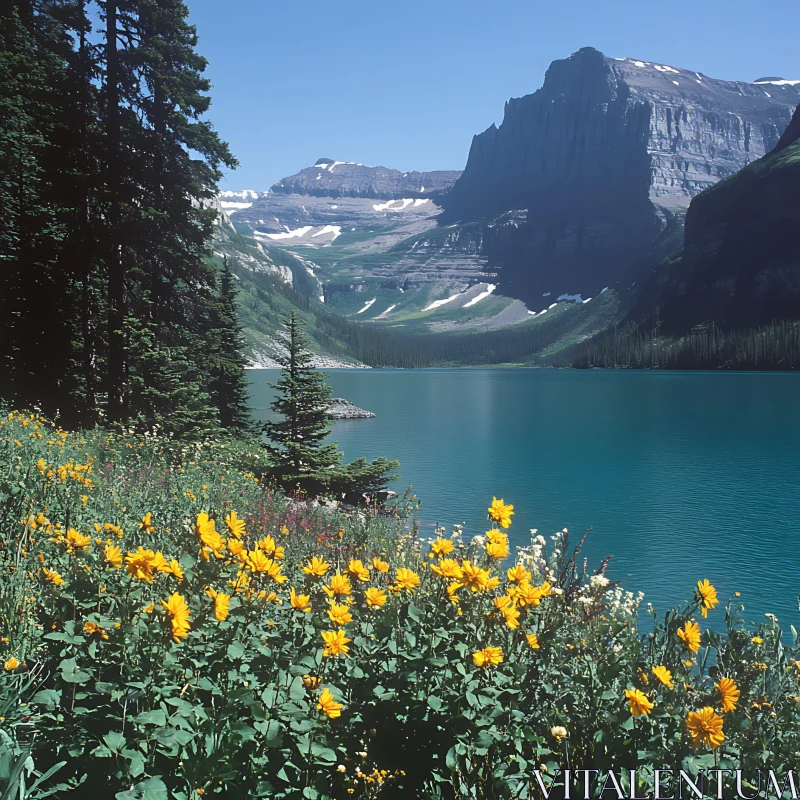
(741, 257)
(601, 158)
(357, 228)
(340, 197)
(329, 178)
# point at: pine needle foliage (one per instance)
(303, 461)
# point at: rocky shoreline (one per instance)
(344, 409)
(263, 360)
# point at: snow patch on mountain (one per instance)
(336, 230)
(367, 305)
(489, 289)
(295, 234)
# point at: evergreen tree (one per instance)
(36, 293)
(108, 170)
(229, 392)
(302, 461)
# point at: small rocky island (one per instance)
(343, 409)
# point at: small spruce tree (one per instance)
(301, 459)
(296, 439)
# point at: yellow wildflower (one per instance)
(335, 643)
(222, 603)
(269, 546)
(301, 602)
(473, 577)
(441, 547)
(707, 596)
(406, 579)
(690, 636)
(316, 567)
(90, 628)
(497, 549)
(77, 541)
(357, 570)
(340, 585)
(664, 676)
(728, 693)
(11, 664)
(379, 565)
(174, 568)
(500, 512)
(141, 564)
(328, 706)
(488, 656)
(447, 568)
(638, 702)
(518, 574)
(113, 556)
(147, 523)
(205, 528)
(235, 525)
(339, 614)
(52, 577)
(705, 727)
(533, 640)
(258, 561)
(374, 598)
(235, 547)
(179, 613)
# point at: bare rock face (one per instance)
(602, 158)
(329, 178)
(741, 258)
(318, 204)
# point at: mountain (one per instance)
(601, 163)
(370, 238)
(740, 263)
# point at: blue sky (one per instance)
(406, 83)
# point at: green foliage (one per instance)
(229, 382)
(709, 346)
(245, 703)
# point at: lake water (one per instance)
(680, 475)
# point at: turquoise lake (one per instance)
(680, 475)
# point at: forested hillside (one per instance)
(109, 308)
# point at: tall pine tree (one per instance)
(229, 392)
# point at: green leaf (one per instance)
(47, 697)
(324, 754)
(149, 789)
(115, 741)
(71, 673)
(235, 650)
(156, 717)
(296, 689)
(434, 702)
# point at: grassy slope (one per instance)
(265, 300)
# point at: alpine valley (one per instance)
(627, 213)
